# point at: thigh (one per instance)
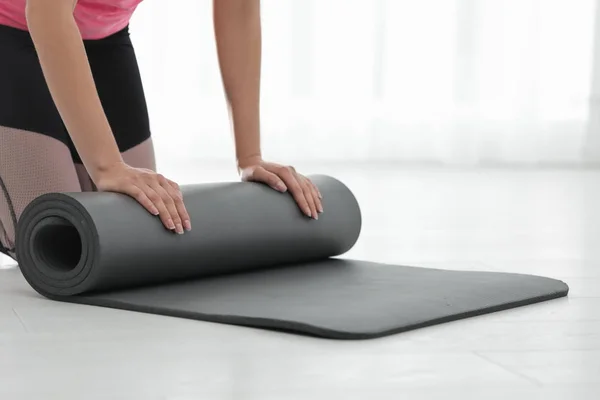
(25, 101)
(31, 164)
(34, 153)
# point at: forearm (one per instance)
(238, 36)
(69, 78)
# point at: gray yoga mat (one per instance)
(252, 259)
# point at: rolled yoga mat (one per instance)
(252, 259)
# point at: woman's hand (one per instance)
(283, 178)
(157, 194)
(238, 31)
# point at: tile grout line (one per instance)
(20, 320)
(519, 374)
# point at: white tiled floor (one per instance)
(541, 222)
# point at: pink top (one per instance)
(96, 18)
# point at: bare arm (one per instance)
(238, 36)
(65, 66)
(239, 40)
(67, 72)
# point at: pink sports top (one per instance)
(96, 18)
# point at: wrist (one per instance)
(100, 169)
(246, 161)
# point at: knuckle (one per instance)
(168, 200)
(153, 196)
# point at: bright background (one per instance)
(377, 84)
(450, 82)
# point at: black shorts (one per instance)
(26, 104)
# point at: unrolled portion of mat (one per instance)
(252, 258)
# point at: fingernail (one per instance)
(187, 225)
(316, 217)
(154, 211)
(281, 187)
(307, 212)
(320, 209)
(320, 195)
(179, 229)
(171, 224)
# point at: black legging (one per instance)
(37, 155)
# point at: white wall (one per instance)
(454, 82)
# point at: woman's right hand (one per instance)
(157, 194)
(70, 80)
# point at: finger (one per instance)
(308, 194)
(170, 205)
(319, 195)
(175, 185)
(318, 191)
(315, 194)
(173, 190)
(291, 181)
(141, 197)
(269, 178)
(158, 202)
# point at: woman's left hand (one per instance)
(284, 178)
